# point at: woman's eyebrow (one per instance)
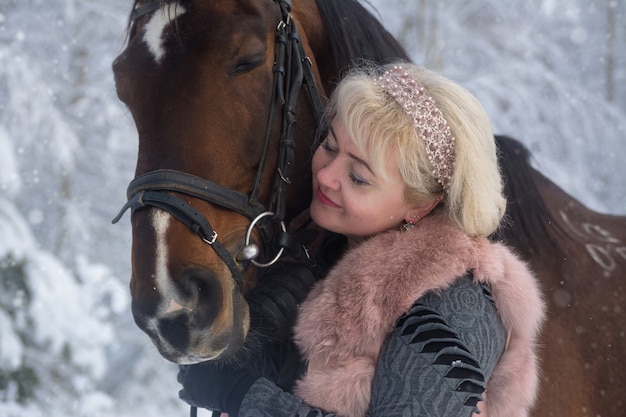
(362, 162)
(351, 155)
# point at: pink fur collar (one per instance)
(343, 322)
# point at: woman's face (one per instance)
(348, 197)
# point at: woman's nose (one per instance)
(327, 175)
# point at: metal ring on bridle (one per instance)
(249, 232)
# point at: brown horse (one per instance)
(214, 89)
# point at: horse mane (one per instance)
(529, 225)
(357, 35)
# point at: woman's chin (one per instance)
(319, 215)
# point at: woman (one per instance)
(423, 315)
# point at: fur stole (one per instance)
(345, 319)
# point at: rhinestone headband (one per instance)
(430, 124)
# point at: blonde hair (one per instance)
(382, 131)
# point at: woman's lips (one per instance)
(325, 200)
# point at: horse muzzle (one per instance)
(204, 321)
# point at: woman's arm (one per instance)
(437, 360)
(265, 399)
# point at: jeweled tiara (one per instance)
(428, 120)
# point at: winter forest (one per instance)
(551, 73)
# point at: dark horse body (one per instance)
(198, 79)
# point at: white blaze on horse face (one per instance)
(153, 35)
(163, 282)
(160, 222)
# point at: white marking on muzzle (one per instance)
(160, 222)
(153, 35)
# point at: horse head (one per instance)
(207, 84)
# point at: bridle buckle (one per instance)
(211, 240)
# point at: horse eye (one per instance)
(245, 65)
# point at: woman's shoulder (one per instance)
(464, 299)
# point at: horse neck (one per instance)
(551, 229)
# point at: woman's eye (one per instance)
(326, 146)
(356, 180)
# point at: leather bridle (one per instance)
(292, 70)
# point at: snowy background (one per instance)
(551, 73)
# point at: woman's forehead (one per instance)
(382, 160)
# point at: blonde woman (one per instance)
(423, 315)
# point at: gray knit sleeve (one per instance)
(439, 357)
(266, 399)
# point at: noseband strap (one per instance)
(170, 180)
(189, 216)
(152, 190)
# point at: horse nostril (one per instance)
(175, 330)
(205, 287)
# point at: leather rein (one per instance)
(292, 70)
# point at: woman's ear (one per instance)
(416, 213)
